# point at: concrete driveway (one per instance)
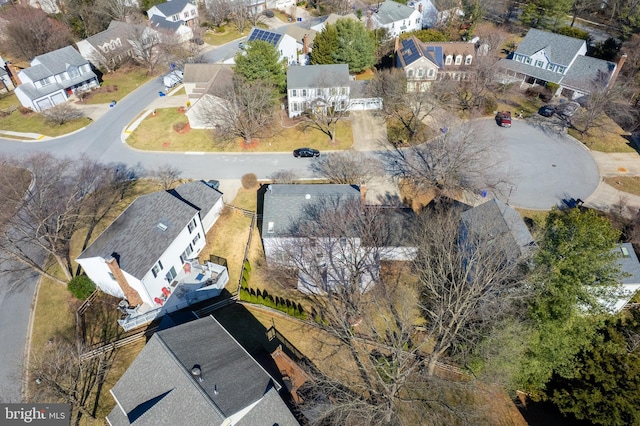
(545, 167)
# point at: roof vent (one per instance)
(625, 251)
(197, 372)
(307, 197)
(161, 226)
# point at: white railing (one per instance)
(130, 323)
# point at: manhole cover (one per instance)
(623, 170)
(553, 165)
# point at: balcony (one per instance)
(195, 283)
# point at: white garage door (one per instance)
(58, 98)
(357, 106)
(43, 104)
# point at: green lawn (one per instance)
(607, 136)
(629, 184)
(156, 133)
(35, 123)
(230, 33)
(126, 80)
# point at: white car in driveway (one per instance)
(173, 78)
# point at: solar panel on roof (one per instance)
(410, 51)
(268, 36)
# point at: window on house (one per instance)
(171, 275)
(113, 277)
(448, 60)
(45, 81)
(420, 72)
(528, 61)
(550, 67)
(63, 77)
(304, 92)
(392, 25)
(196, 238)
(468, 59)
(458, 60)
(294, 92)
(175, 18)
(410, 73)
(192, 225)
(333, 91)
(343, 90)
(561, 70)
(186, 253)
(73, 72)
(156, 269)
(270, 227)
(539, 64)
(431, 72)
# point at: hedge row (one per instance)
(287, 306)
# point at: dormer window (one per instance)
(458, 60)
(468, 59)
(448, 60)
(73, 72)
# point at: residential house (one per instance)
(285, 44)
(197, 374)
(320, 23)
(174, 17)
(283, 5)
(396, 18)
(317, 86)
(287, 207)
(497, 221)
(203, 83)
(149, 255)
(630, 282)
(304, 41)
(543, 57)
(424, 63)
(6, 85)
(53, 77)
(428, 10)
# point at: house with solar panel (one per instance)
(543, 57)
(287, 46)
(396, 18)
(148, 256)
(424, 63)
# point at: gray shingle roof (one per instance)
(284, 204)
(560, 49)
(160, 22)
(390, 11)
(135, 235)
(203, 73)
(495, 218)
(300, 77)
(629, 265)
(172, 7)
(198, 195)
(59, 60)
(37, 72)
(158, 388)
(298, 32)
(585, 71)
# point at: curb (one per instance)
(27, 344)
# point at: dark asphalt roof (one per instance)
(197, 194)
(585, 71)
(629, 264)
(135, 235)
(159, 387)
(284, 204)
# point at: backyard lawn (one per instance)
(156, 133)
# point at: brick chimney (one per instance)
(397, 45)
(363, 195)
(13, 74)
(614, 76)
(129, 292)
(305, 44)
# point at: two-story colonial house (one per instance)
(543, 57)
(317, 86)
(53, 77)
(175, 17)
(424, 63)
(396, 18)
(149, 255)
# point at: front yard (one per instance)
(156, 133)
(118, 84)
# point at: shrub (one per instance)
(573, 32)
(180, 126)
(61, 114)
(25, 110)
(490, 105)
(250, 180)
(539, 92)
(81, 287)
(553, 87)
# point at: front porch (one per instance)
(196, 282)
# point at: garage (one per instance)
(43, 104)
(365, 104)
(58, 98)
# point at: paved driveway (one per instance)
(545, 167)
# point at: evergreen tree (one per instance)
(324, 44)
(345, 42)
(261, 61)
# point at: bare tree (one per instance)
(219, 11)
(146, 44)
(180, 53)
(61, 114)
(325, 107)
(284, 176)
(465, 158)
(240, 109)
(119, 10)
(167, 176)
(30, 32)
(241, 14)
(348, 167)
(65, 197)
(410, 108)
(468, 279)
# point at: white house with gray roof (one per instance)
(396, 18)
(176, 17)
(197, 374)
(544, 57)
(149, 255)
(630, 281)
(310, 85)
(53, 77)
(290, 239)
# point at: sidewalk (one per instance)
(607, 198)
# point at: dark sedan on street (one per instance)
(547, 111)
(306, 152)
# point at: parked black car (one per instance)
(306, 152)
(547, 111)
